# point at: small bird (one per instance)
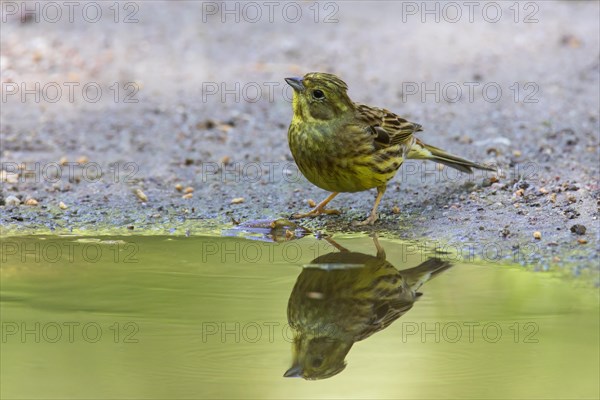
(343, 146)
(343, 297)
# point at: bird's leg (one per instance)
(380, 250)
(319, 209)
(336, 245)
(373, 217)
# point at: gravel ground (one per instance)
(211, 110)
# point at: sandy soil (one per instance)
(191, 96)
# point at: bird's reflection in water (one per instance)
(344, 297)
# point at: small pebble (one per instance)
(188, 190)
(465, 139)
(224, 128)
(581, 241)
(311, 203)
(225, 160)
(12, 201)
(571, 213)
(83, 160)
(179, 187)
(570, 41)
(187, 196)
(62, 206)
(8, 178)
(237, 200)
(578, 229)
(396, 210)
(537, 235)
(141, 195)
(63, 160)
(31, 202)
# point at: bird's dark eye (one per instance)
(318, 94)
(317, 362)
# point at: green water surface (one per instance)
(206, 317)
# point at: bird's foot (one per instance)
(316, 212)
(369, 221)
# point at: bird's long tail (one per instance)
(415, 277)
(422, 151)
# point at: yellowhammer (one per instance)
(344, 297)
(343, 146)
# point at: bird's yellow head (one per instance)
(318, 357)
(319, 96)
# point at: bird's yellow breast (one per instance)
(339, 161)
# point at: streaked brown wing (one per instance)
(387, 128)
(384, 313)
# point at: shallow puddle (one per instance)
(176, 317)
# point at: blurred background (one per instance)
(177, 60)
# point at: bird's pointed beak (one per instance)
(294, 372)
(296, 83)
